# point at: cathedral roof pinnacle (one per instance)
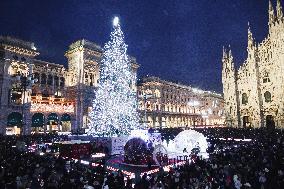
(279, 10)
(271, 13)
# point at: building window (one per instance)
(62, 82)
(15, 57)
(43, 79)
(56, 81)
(267, 96)
(23, 59)
(15, 96)
(266, 78)
(157, 93)
(244, 98)
(36, 77)
(49, 80)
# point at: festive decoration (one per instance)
(151, 139)
(139, 133)
(75, 151)
(137, 152)
(114, 111)
(191, 141)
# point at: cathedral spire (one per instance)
(228, 63)
(279, 10)
(250, 38)
(225, 59)
(225, 56)
(230, 59)
(271, 14)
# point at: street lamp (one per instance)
(25, 83)
(145, 97)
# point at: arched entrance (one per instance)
(246, 122)
(52, 122)
(14, 123)
(66, 123)
(38, 122)
(270, 124)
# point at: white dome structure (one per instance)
(187, 140)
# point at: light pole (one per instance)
(145, 97)
(25, 82)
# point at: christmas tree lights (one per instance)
(114, 111)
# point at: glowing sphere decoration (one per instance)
(136, 152)
(189, 140)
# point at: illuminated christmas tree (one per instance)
(114, 111)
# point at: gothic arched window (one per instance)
(266, 77)
(267, 96)
(36, 77)
(244, 98)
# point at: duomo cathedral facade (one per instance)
(254, 93)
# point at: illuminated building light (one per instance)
(96, 165)
(52, 108)
(85, 162)
(194, 103)
(236, 139)
(98, 155)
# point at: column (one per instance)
(53, 86)
(73, 123)
(39, 78)
(59, 125)
(5, 85)
(45, 124)
(79, 108)
(160, 121)
(3, 122)
(27, 120)
(154, 122)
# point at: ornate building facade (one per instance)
(83, 76)
(253, 94)
(167, 104)
(41, 96)
(33, 92)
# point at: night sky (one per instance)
(177, 40)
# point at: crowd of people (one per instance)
(258, 163)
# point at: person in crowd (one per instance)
(232, 164)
